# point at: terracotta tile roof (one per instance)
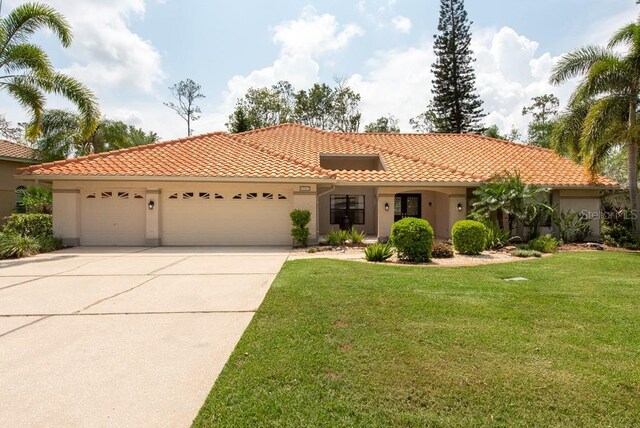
(16, 151)
(293, 152)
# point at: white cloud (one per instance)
(401, 24)
(303, 43)
(106, 53)
(509, 72)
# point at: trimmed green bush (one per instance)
(50, 243)
(30, 225)
(378, 252)
(300, 232)
(442, 250)
(521, 252)
(544, 244)
(469, 237)
(413, 239)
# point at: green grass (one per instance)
(340, 343)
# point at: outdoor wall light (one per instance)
(151, 204)
(386, 206)
(459, 207)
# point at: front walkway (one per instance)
(123, 337)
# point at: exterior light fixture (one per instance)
(459, 207)
(386, 206)
(151, 204)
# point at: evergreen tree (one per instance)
(457, 106)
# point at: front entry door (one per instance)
(407, 205)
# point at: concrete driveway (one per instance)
(123, 336)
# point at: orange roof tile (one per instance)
(9, 150)
(293, 152)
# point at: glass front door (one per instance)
(407, 205)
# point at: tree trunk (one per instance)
(633, 184)
(632, 152)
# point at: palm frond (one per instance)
(565, 136)
(604, 128)
(607, 75)
(577, 63)
(26, 57)
(81, 96)
(629, 34)
(26, 19)
(30, 96)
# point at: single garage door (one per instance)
(113, 217)
(226, 218)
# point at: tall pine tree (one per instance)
(456, 106)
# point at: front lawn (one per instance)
(339, 343)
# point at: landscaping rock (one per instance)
(595, 246)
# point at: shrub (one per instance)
(521, 252)
(29, 225)
(50, 243)
(441, 250)
(36, 199)
(337, 238)
(378, 252)
(572, 226)
(544, 244)
(496, 238)
(413, 239)
(356, 237)
(300, 231)
(13, 245)
(469, 237)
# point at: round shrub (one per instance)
(469, 237)
(413, 239)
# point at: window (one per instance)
(123, 195)
(267, 195)
(187, 195)
(351, 206)
(218, 196)
(281, 197)
(252, 195)
(204, 195)
(106, 195)
(173, 196)
(237, 196)
(20, 208)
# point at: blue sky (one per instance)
(130, 51)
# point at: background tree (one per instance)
(457, 106)
(544, 111)
(320, 106)
(602, 112)
(26, 73)
(386, 124)
(186, 93)
(62, 136)
(10, 132)
(494, 132)
(424, 123)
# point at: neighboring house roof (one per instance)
(293, 152)
(16, 152)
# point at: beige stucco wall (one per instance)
(8, 185)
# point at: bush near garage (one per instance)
(469, 237)
(413, 239)
(300, 232)
(31, 225)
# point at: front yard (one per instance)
(339, 343)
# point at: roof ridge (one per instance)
(282, 156)
(418, 159)
(109, 153)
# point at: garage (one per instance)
(219, 216)
(112, 217)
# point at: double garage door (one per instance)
(188, 217)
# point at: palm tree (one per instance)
(26, 72)
(602, 112)
(62, 136)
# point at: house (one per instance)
(12, 156)
(238, 189)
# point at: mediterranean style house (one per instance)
(238, 189)
(12, 156)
